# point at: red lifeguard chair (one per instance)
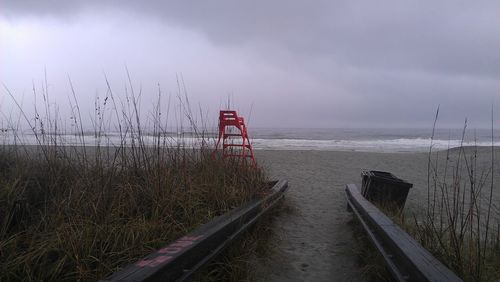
(234, 136)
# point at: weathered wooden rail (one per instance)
(406, 259)
(179, 260)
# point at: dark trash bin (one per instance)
(384, 188)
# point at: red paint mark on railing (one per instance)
(169, 250)
(153, 262)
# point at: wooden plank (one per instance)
(405, 257)
(181, 258)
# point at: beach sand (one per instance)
(314, 242)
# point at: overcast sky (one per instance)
(285, 63)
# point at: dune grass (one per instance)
(461, 222)
(80, 210)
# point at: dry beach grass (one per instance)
(80, 212)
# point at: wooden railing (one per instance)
(179, 260)
(406, 259)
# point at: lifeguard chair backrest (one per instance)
(229, 118)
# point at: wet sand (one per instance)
(314, 242)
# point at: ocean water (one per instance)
(370, 140)
(363, 140)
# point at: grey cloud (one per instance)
(443, 36)
(368, 55)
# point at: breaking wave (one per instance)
(374, 145)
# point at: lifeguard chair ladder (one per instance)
(243, 149)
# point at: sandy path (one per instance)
(314, 243)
